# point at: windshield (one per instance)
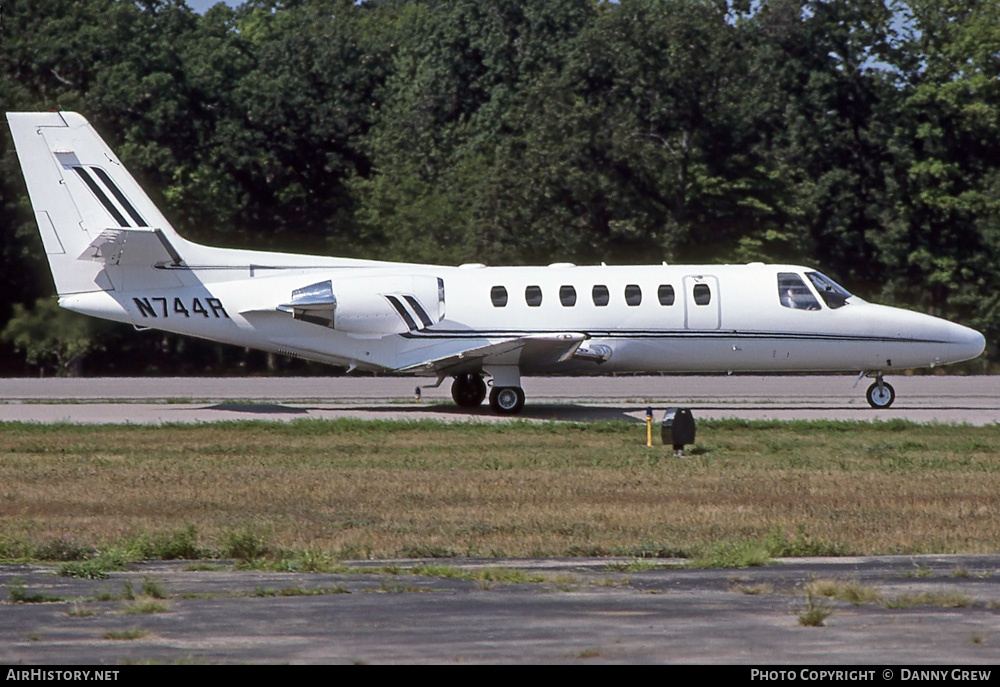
(830, 291)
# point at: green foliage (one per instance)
(245, 545)
(15, 547)
(445, 571)
(755, 552)
(180, 544)
(64, 548)
(307, 560)
(17, 593)
(152, 589)
(47, 335)
(739, 554)
(94, 568)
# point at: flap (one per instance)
(536, 349)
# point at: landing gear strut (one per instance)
(468, 390)
(880, 394)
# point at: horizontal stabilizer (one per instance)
(133, 247)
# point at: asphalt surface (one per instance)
(930, 610)
(949, 399)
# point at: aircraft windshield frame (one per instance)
(833, 294)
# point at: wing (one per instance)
(536, 350)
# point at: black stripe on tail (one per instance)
(105, 201)
(129, 208)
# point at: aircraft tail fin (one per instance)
(86, 203)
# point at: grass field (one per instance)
(329, 490)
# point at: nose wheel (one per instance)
(880, 394)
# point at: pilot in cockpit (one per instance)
(794, 293)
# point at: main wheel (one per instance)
(507, 400)
(881, 396)
(468, 390)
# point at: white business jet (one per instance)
(114, 255)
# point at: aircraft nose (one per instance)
(948, 342)
(968, 342)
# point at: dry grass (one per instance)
(844, 590)
(133, 633)
(815, 613)
(347, 489)
(947, 599)
(145, 606)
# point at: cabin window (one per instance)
(794, 293)
(666, 294)
(533, 296)
(702, 294)
(601, 295)
(830, 291)
(567, 296)
(633, 295)
(498, 295)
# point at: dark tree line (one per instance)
(858, 136)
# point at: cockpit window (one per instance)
(830, 291)
(794, 293)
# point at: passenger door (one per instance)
(701, 302)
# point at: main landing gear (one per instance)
(507, 400)
(880, 394)
(469, 390)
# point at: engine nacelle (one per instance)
(371, 306)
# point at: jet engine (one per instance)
(370, 306)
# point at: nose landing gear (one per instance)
(880, 394)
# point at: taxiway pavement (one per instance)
(946, 399)
(923, 610)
